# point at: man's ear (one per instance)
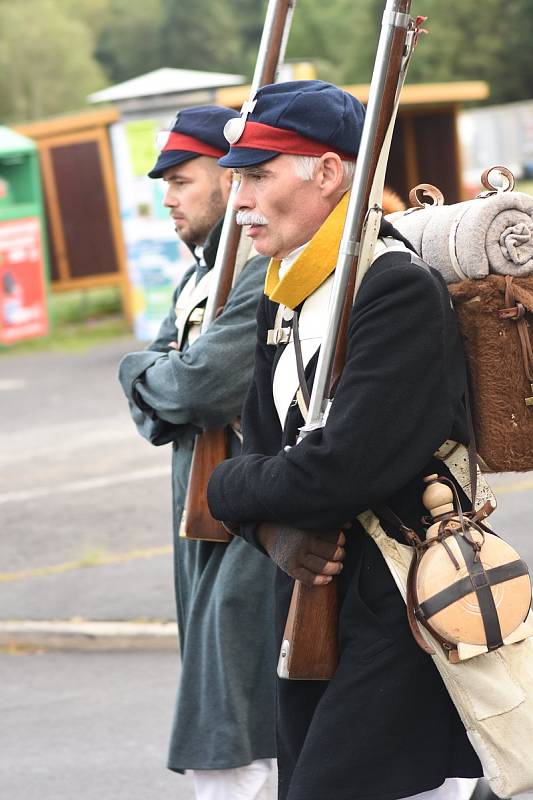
(330, 174)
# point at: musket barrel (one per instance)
(227, 248)
(209, 448)
(394, 17)
(302, 656)
(269, 57)
(273, 43)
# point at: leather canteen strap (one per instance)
(481, 585)
(410, 604)
(412, 539)
(476, 571)
(467, 585)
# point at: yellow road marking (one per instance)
(519, 486)
(151, 552)
(98, 561)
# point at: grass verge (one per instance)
(78, 321)
(524, 186)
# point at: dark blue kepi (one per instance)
(299, 118)
(196, 132)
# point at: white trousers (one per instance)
(255, 781)
(451, 789)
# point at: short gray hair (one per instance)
(305, 168)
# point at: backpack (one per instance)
(483, 248)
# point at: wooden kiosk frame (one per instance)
(82, 210)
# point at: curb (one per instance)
(88, 636)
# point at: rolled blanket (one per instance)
(472, 239)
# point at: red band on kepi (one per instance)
(257, 136)
(180, 141)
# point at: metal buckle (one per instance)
(276, 336)
(196, 317)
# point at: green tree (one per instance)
(467, 40)
(129, 38)
(478, 41)
(46, 62)
(200, 35)
(94, 14)
(248, 17)
(340, 37)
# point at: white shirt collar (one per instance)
(288, 261)
(199, 255)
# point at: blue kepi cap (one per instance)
(306, 118)
(197, 131)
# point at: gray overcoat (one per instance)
(225, 707)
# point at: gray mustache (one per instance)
(249, 218)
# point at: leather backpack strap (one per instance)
(516, 311)
(472, 448)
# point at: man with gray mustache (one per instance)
(185, 382)
(248, 218)
(383, 727)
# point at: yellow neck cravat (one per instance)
(315, 264)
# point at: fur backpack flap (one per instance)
(484, 250)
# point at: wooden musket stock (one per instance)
(209, 450)
(210, 446)
(309, 649)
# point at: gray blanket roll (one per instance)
(472, 239)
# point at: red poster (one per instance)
(23, 312)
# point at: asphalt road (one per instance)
(78, 487)
(85, 501)
(85, 532)
(91, 726)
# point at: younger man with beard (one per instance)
(182, 383)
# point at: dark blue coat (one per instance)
(384, 727)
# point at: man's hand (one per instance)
(311, 557)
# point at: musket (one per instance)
(309, 648)
(211, 445)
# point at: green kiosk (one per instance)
(23, 259)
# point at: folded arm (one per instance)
(395, 404)
(204, 384)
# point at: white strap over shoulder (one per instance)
(191, 296)
(388, 244)
(312, 325)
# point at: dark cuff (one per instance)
(139, 401)
(249, 531)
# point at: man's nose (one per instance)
(243, 198)
(169, 199)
